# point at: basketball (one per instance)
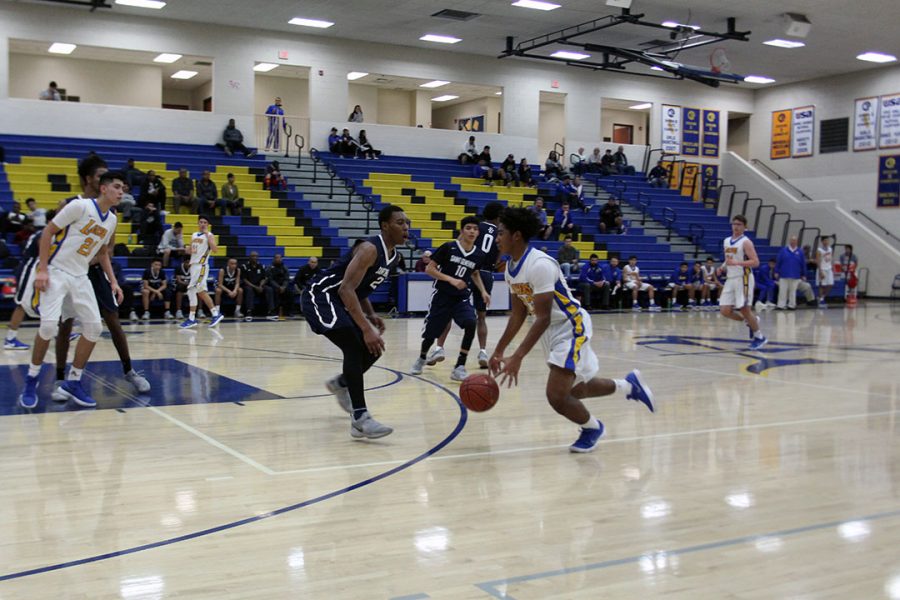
(479, 392)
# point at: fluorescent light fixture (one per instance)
(784, 43)
(535, 4)
(673, 25)
(657, 69)
(354, 75)
(440, 39)
(311, 23)
(167, 58)
(61, 48)
(444, 98)
(498, 93)
(265, 67)
(570, 55)
(183, 74)
(434, 84)
(641, 106)
(876, 57)
(758, 79)
(155, 4)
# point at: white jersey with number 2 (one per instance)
(84, 229)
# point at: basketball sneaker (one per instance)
(459, 373)
(367, 427)
(759, 342)
(636, 308)
(654, 308)
(639, 390)
(145, 316)
(133, 316)
(58, 395)
(483, 358)
(168, 316)
(418, 366)
(139, 382)
(179, 315)
(28, 398)
(238, 314)
(341, 394)
(75, 392)
(216, 320)
(15, 344)
(434, 357)
(188, 324)
(587, 439)
(677, 307)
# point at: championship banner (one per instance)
(690, 184)
(889, 129)
(803, 131)
(709, 173)
(865, 124)
(690, 138)
(888, 181)
(471, 123)
(710, 134)
(781, 134)
(671, 129)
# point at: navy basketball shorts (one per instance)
(445, 308)
(487, 278)
(102, 289)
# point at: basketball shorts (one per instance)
(323, 310)
(445, 308)
(66, 296)
(737, 291)
(487, 278)
(102, 289)
(23, 274)
(198, 277)
(826, 278)
(568, 345)
(643, 286)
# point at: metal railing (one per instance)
(619, 187)
(732, 189)
(696, 233)
(716, 183)
(300, 143)
(275, 133)
(774, 174)
(777, 213)
(648, 155)
(669, 218)
(560, 150)
(880, 227)
(644, 203)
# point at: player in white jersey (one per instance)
(203, 243)
(824, 270)
(78, 232)
(539, 288)
(736, 299)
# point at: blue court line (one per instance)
(463, 416)
(490, 587)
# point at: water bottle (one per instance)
(130, 239)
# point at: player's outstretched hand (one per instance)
(510, 370)
(495, 363)
(373, 342)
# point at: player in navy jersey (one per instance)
(22, 273)
(487, 243)
(336, 305)
(455, 267)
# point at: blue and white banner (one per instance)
(710, 134)
(671, 129)
(708, 175)
(865, 124)
(889, 125)
(888, 181)
(690, 138)
(804, 131)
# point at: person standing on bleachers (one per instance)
(564, 223)
(593, 283)
(233, 141)
(172, 243)
(278, 278)
(276, 124)
(183, 192)
(231, 198)
(207, 196)
(134, 175)
(658, 176)
(153, 190)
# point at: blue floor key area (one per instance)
(172, 383)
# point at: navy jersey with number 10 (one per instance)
(452, 260)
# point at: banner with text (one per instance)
(671, 129)
(471, 123)
(781, 134)
(803, 130)
(709, 189)
(690, 185)
(710, 134)
(888, 181)
(889, 127)
(865, 124)
(690, 139)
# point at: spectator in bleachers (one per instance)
(181, 279)
(51, 93)
(765, 283)
(207, 196)
(274, 179)
(155, 287)
(150, 231)
(592, 283)
(572, 192)
(334, 141)
(622, 162)
(233, 141)
(172, 243)
(276, 125)
(253, 276)
(134, 176)
(790, 272)
(38, 216)
(24, 234)
(553, 169)
(152, 191)
(365, 148)
(349, 146)
(567, 257)
(658, 176)
(541, 213)
(680, 281)
(613, 274)
(699, 283)
(423, 261)
(525, 176)
(710, 281)
(228, 282)
(357, 115)
(579, 162)
(127, 204)
(15, 219)
(608, 164)
(279, 279)
(594, 161)
(231, 198)
(510, 173)
(631, 279)
(611, 218)
(127, 305)
(469, 154)
(564, 223)
(486, 155)
(183, 192)
(306, 273)
(483, 170)
(848, 260)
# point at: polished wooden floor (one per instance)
(761, 475)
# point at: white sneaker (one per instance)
(168, 316)
(636, 308)
(483, 358)
(133, 316)
(418, 366)
(367, 427)
(238, 314)
(341, 394)
(654, 308)
(139, 382)
(434, 357)
(146, 316)
(58, 395)
(459, 373)
(179, 315)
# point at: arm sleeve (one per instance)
(544, 275)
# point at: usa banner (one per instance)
(889, 129)
(803, 131)
(888, 181)
(690, 139)
(865, 124)
(710, 134)
(781, 134)
(671, 129)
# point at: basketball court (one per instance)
(762, 475)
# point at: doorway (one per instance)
(623, 134)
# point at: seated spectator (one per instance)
(613, 274)
(765, 283)
(155, 288)
(349, 146)
(134, 176)
(710, 281)
(541, 213)
(680, 281)
(423, 261)
(357, 115)
(181, 279)
(127, 205)
(278, 278)
(51, 93)
(631, 279)
(592, 283)
(594, 161)
(127, 305)
(469, 154)
(233, 141)
(38, 216)
(508, 171)
(15, 219)
(228, 285)
(579, 162)
(231, 199)
(153, 191)
(567, 257)
(334, 141)
(171, 244)
(305, 274)
(207, 196)
(622, 162)
(608, 164)
(253, 276)
(483, 170)
(151, 230)
(567, 191)
(699, 283)
(365, 148)
(564, 223)
(525, 176)
(24, 234)
(274, 179)
(611, 219)
(183, 192)
(658, 176)
(553, 169)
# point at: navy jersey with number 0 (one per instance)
(487, 244)
(452, 260)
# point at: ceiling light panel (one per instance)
(876, 57)
(535, 4)
(440, 39)
(570, 55)
(354, 75)
(641, 106)
(167, 58)
(61, 48)
(435, 84)
(184, 74)
(444, 98)
(264, 67)
(311, 23)
(758, 79)
(784, 43)
(154, 4)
